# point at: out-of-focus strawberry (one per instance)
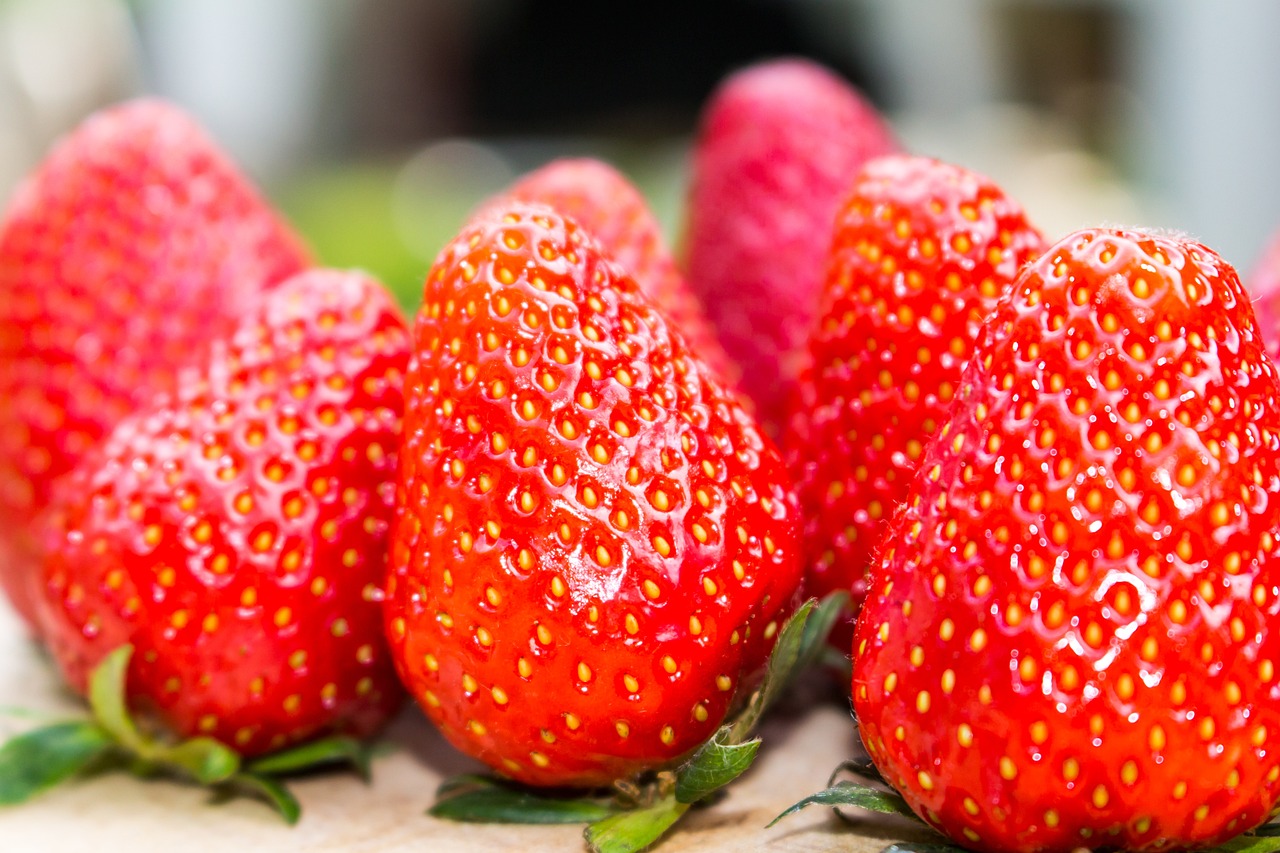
(1264, 286)
(922, 252)
(778, 147)
(612, 210)
(595, 546)
(234, 532)
(1069, 640)
(132, 245)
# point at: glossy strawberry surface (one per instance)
(595, 545)
(921, 254)
(612, 210)
(133, 244)
(235, 532)
(1069, 637)
(778, 146)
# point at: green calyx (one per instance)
(47, 756)
(883, 799)
(636, 820)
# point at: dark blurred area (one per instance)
(378, 124)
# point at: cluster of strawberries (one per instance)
(554, 510)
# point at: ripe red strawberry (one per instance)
(1264, 285)
(922, 252)
(614, 212)
(131, 246)
(236, 532)
(1068, 641)
(594, 545)
(778, 147)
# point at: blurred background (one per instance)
(378, 124)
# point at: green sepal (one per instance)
(107, 701)
(316, 754)
(799, 645)
(635, 830)
(484, 799)
(716, 763)
(35, 761)
(1250, 844)
(270, 791)
(1270, 829)
(38, 760)
(918, 847)
(853, 794)
(204, 759)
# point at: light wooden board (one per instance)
(118, 813)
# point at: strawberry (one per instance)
(234, 532)
(922, 252)
(133, 244)
(777, 149)
(614, 212)
(594, 545)
(1264, 285)
(1067, 642)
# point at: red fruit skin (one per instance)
(922, 252)
(1068, 638)
(594, 546)
(134, 243)
(778, 146)
(1264, 285)
(613, 211)
(236, 533)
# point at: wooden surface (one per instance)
(807, 736)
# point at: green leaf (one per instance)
(38, 760)
(319, 753)
(853, 794)
(270, 791)
(1267, 830)
(716, 763)
(107, 699)
(480, 799)
(632, 831)
(917, 847)
(204, 759)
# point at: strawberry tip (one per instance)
(616, 825)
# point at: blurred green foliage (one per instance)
(365, 216)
